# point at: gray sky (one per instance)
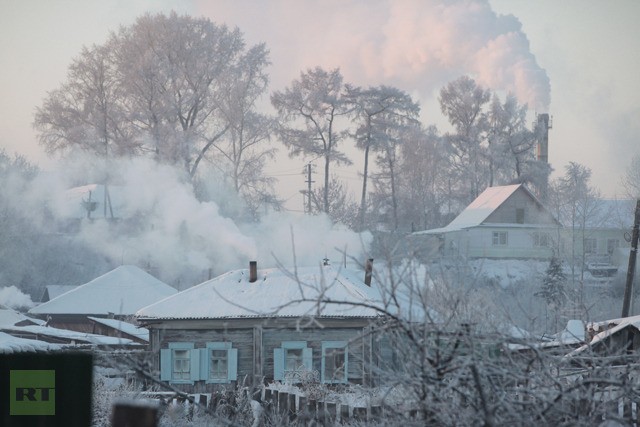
(576, 59)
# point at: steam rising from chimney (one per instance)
(185, 240)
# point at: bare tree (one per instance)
(307, 112)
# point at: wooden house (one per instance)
(503, 222)
(117, 294)
(266, 325)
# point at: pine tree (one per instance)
(553, 285)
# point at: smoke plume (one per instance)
(414, 44)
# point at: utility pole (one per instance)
(628, 290)
(309, 182)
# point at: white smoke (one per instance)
(161, 225)
(414, 44)
(12, 297)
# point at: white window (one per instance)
(500, 238)
(519, 216)
(290, 357)
(335, 362)
(218, 365)
(541, 239)
(612, 245)
(590, 246)
(220, 362)
(180, 363)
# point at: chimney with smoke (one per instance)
(253, 271)
(368, 271)
(543, 124)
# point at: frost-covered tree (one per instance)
(376, 111)
(631, 178)
(553, 288)
(511, 144)
(342, 208)
(87, 111)
(242, 153)
(422, 181)
(157, 88)
(308, 111)
(579, 208)
(462, 101)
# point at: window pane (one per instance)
(181, 364)
(334, 364)
(499, 238)
(218, 365)
(292, 359)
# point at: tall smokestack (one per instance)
(253, 271)
(544, 123)
(368, 271)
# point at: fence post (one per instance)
(138, 414)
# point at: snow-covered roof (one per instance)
(126, 327)
(479, 210)
(122, 291)
(53, 291)
(633, 321)
(9, 317)
(275, 293)
(10, 344)
(65, 334)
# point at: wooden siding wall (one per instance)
(273, 339)
(533, 213)
(255, 349)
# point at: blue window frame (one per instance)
(219, 363)
(180, 363)
(291, 356)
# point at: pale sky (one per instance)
(579, 60)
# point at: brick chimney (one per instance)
(368, 271)
(253, 271)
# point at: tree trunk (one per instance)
(363, 202)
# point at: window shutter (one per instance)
(307, 359)
(278, 364)
(195, 364)
(204, 363)
(165, 364)
(232, 364)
